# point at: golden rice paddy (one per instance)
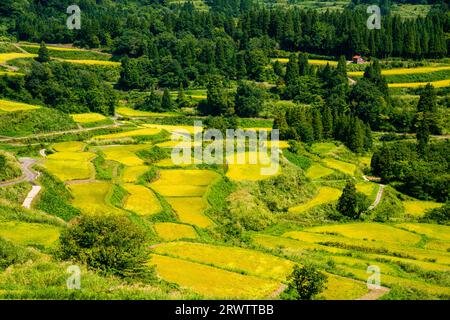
(73, 156)
(67, 170)
(317, 171)
(128, 112)
(311, 61)
(345, 167)
(93, 62)
(174, 231)
(430, 230)
(5, 57)
(181, 178)
(325, 195)
(418, 208)
(88, 117)
(436, 84)
(129, 134)
(251, 168)
(29, 233)
(190, 210)
(11, 106)
(398, 71)
(370, 231)
(71, 146)
(141, 200)
(212, 282)
(124, 154)
(91, 197)
(132, 174)
(231, 258)
(175, 129)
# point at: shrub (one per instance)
(110, 244)
(304, 283)
(11, 253)
(439, 215)
(352, 203)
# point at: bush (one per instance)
(11, 253)
(439, 215)
(55, 198)
(304, 283)
(110, 244)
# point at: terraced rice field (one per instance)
(324, 148)
(436, 84)
(177, 180)
(94, 62)
(175, 129)
(88, 117)
(73, 156)
(91, 198)
(11, 106)
(10, 73)
(251, 170)
(67, 170)
(311, 61)
(141, 200)
(212, 282)
(430, 230)
(71, 165)
(132, 174)
(418, 208)
(124, 154)
(391, 72)
(250, 263)
(129, 134)
(5, 57)
(174, 231)
(345, 167)
(231, 258)
(380, 247)
(190, 210)
(325, 195)
(71, 146)
(367, 188)
(128, 112)
(29, 233)
(317, 171)
(370, 232)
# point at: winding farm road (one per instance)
(378, 198)
(28, 175)
(55, 133)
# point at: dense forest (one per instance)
(188, 35)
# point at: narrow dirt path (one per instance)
(375, 294)
(55, 133)
(28, 175)
(42, 153)
(378, 198)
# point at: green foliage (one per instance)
(9, 168)
(103, 169)
(118, 195)
(439, 215)
(153, 155)
(111, 244)
(148, 177)
(11, 253)
(43, 54)
(305, 283)
(299, 160)
(37, 121)
(421, 173)
(248, 100)
(352, 204)
(55, 198)
(285, 190)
